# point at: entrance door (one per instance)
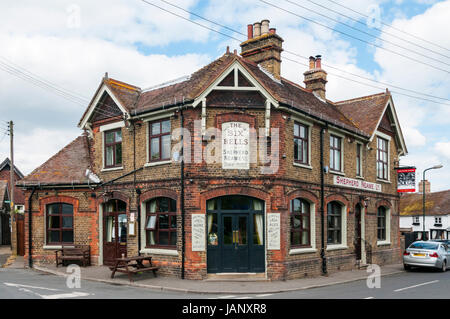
(235, 235)
(358, 232)
(115, 231)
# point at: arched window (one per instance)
(300, 223)
(161, 222)
(334, 223)
(59, 223)
(381, 223)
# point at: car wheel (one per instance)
(407, 267)
(444, 266)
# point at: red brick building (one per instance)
(273, 179)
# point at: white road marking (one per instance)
(244, 297)
(226, 297)
(369, 298)
(68, 295)
(27, 286)
(425, 283)
(264, 295)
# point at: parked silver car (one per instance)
(427, 254)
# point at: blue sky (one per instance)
(72, 43)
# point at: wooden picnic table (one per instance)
(133, 265)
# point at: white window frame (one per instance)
(309, 125)
(361, 175)
(388, 139)
(343, 244)
(312, 232)
(342, 137)
(387, 241)
(103, 129)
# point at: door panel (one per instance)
(114, 232)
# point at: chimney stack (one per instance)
(427, 186)
(264, 47)
(315, 77)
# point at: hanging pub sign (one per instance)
(235, 145)
(406, 179)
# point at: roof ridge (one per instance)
(361, 98)
(122, 84)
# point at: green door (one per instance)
(235, 235)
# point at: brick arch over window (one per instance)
(160, 192)
(383, 202)
(302, 194)
(58, 199)
(115, 195)
(234, 190)
(341, 199)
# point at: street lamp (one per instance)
(423, 191)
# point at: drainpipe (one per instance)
(322, 201)
(183, 241)
(138, 218)
(30, 239)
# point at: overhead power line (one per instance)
(378, 29)
(389, 26)
(353, 37)
(369, 34)
(292, 53)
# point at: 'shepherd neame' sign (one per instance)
(235, 145)
(356, 183)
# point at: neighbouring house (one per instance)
(233, 169)
(437, 214)
(19, 204)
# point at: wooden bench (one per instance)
(133, 265)
(73, 252)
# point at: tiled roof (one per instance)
(67, 167)
(283, 91)
(437, 203)
(365, 112)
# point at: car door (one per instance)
(447, 254)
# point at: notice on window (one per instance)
(235, 145)
(273, 231)
(198, 232)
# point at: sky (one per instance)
(71, 44)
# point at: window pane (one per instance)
(151, 222)
(296, 222)
(257, 229)
(165, 147)
(123, 226)
(163, 238)
(154, 149)
(296, 130)
(296, 205)
(213, 238)
(165, 128)
(227, 230)
(53, 209)
(67, 222)
(305, 238)
(54, 222)
(337, 160)
(67, 236)
(163, 221)
(67, 209)
(163, 204)
(109, 137)
(242, 234)
(173, 221)
(302, 132)
(305, 222)
(151, 238)
(118, 136)
(109, 156)
(295, 238)
(118, 154)
(156, 128)
(296, 149)
(305, 152)
(173, 238)
(53, 236)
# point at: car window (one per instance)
(432, 246)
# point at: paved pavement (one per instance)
(5, 252)
(147, 280)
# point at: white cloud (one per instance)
(443, 148)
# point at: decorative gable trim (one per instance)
(398, 131)
(104, 88)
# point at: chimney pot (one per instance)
(312, 62)
(250, 31)
(235, 52)
(318, 61)
(228, 49)
(256, 29)
(265, 26)
(273, 31)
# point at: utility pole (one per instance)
(11, 169)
